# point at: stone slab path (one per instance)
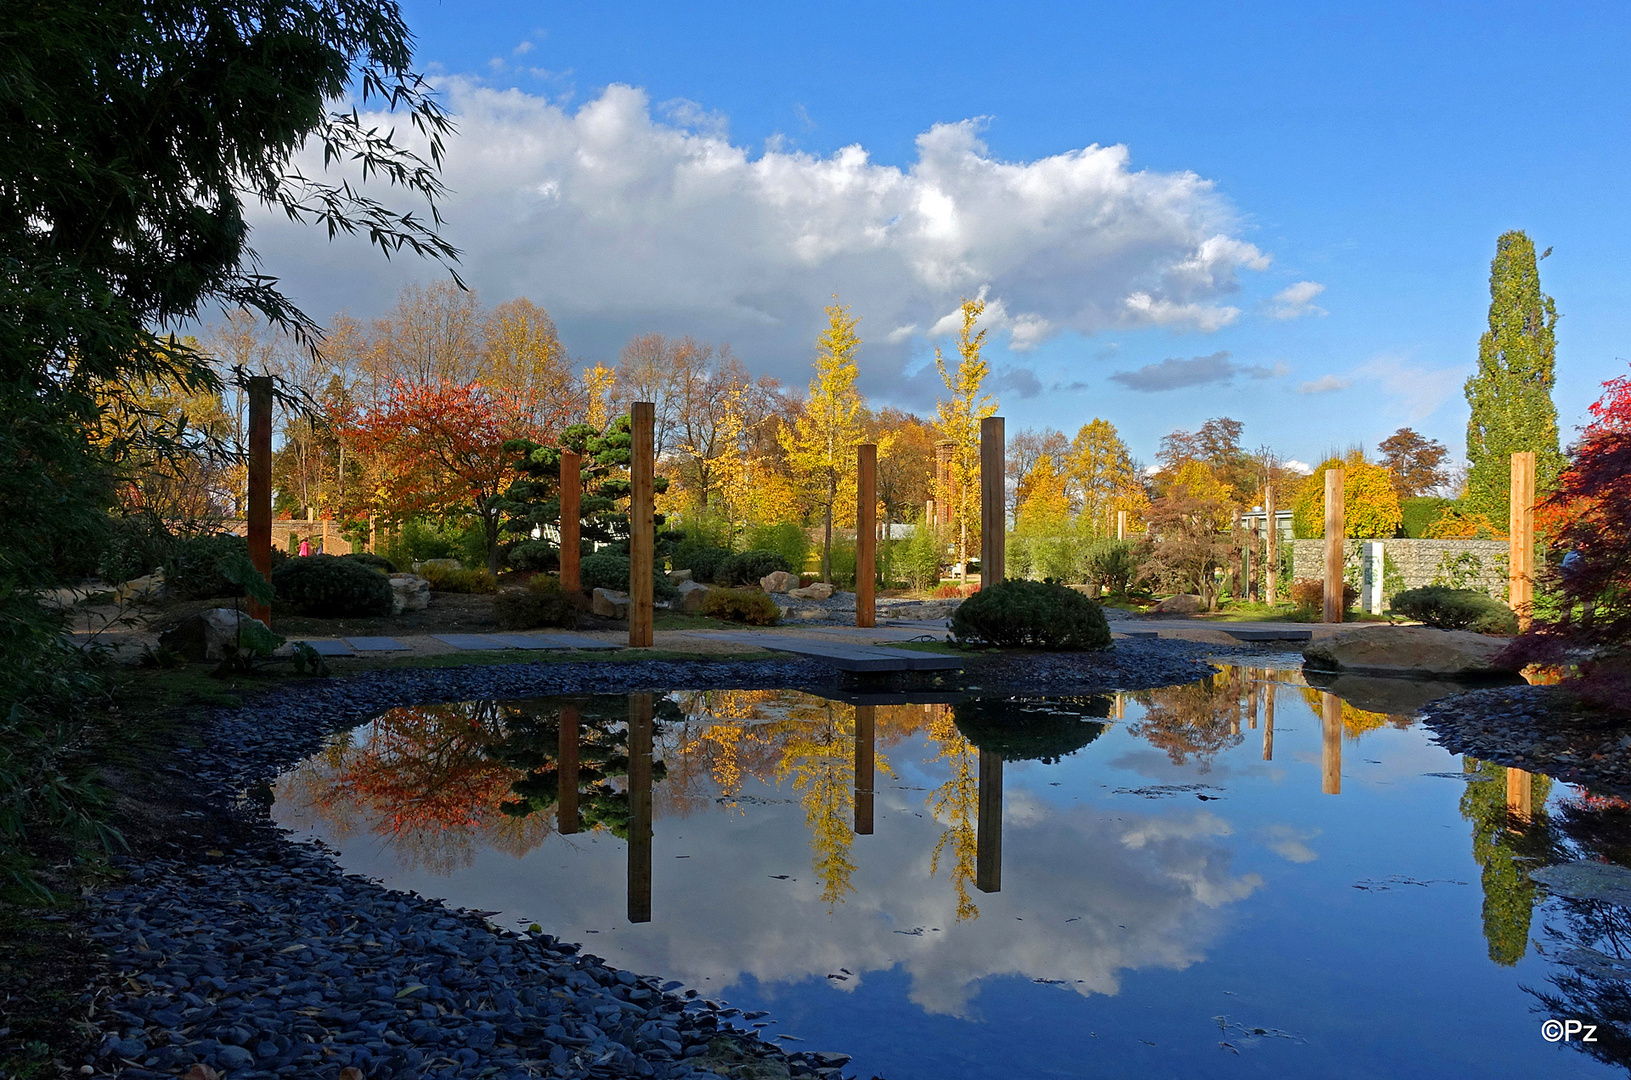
(843, 655)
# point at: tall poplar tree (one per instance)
(821, 442)
(1511, 396)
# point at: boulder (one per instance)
(779, 581)
(1415, 651)
(1380, 694)
(610, 604)
(201, 636)
(138, 589)
(409, 592)
(821, 590)
(1584, 880)
(692, 596)
(1090, 590)
(445, 564)
(679, 577)
(1182, 604)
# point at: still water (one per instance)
(1235, 878)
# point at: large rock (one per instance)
(679, 577)
(1380, 694)
(610, 604)
(692, 596)
(136, 590)
(779, 581)
(821, 590)
(1414, 651)
(409, 592)
(201, 636)
(1182, 604)
(1587, 881)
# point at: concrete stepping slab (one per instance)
(846, 657)
(481, 642)
(561, 641)
(327, 647)
(1268, 635)
(1137, 633)
(376, 644)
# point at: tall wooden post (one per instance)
(1271, 561)
(1331, 751)
(1521, 538)
(993, 503)
(566, 772)
(1121, 524)
(260, 485)
(640, 709)
(642, 527)
(866, 723)
(1334, 528)
(571, 519)
(866, 534)
(988, 830)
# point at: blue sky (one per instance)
(1364, 159)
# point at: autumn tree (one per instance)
(1217, 445)
(960, 414)
(1370, 505)
(1186, 546)
(1511, 393)
(1024, 448)
(1417, 462)
(1102, 476)
(821, 443)
(906, 470)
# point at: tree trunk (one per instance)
(489, 521)
(826, 539)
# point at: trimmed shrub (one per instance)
(1456, 609)
(535, 555)
(1036, 614)
(444, 578)
(1420, 513)
(699, 557)
(1309, 595)
(368, 558)
(607, 568)
(787, 538)
(330, 587)
(741, 605)
(747, 567)
(542, 602)
(192, 568)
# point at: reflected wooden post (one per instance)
(1268, 722)
(993, 503)
(988, 837)
(1119, 710)
(642, 527)
(566, 773)
(571, 518)
(866, 533)
(1519, 792)
(1256, 691)
(865, 735)
(259, 510)
(1521, 538)
(639, 808)
(1331, 758)
(1333, 545)
(1271, 560)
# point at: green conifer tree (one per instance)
(1511, 395)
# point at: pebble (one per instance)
(1540, 729)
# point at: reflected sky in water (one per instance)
(1240, 877)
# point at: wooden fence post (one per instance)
(1334, 528)
(642, 534)
(260, 486)
(570, 525)
(1121, 524)
(866, 534)
(640, 710)
(1521, 538)
(993, 504)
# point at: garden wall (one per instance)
(1468, 564)
(328, 532)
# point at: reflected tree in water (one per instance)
(954, 804)
(1196, 721)
(819, 759)
(1356, 721)
(1503, 844)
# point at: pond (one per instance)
(1244, 876)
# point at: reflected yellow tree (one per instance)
(955, 804)
(819, 758)
(1499, 840)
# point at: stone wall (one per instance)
(1414, 563)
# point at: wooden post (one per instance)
(1521, 538)
(1333, 545)
(260, 485)
(571, 519)
(866, 534)
(1121, 524)
(988, 834)
(642, 528)
(1331, 757)
(640, 807)
(866, 717)
(566, 772)
(993, 503)
(1271, 562)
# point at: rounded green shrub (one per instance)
(1042, 729)
(192, 567)
(605, 569)
(1456, 609)
(1034, 614)
(444, 578)
(741, 605)
(541, 603)
(368, 558)
(747, 567)
(331, 587)
(702, 559)
(535, 555)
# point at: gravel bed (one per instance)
(231, 945)
(1538, 729)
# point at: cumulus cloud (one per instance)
(1325, 384)
(1416, 390)
(1300, 467)
(1174, 373)
(620, 219)
(1295, 301)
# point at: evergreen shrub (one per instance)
(741, 605)
(444, 578)
(747, 567)
(542, 602)
(1456, 609)
(368, 558)
(535, 555)
(786, 538)
(330, 587)
(700, 557)
(607, 568)
(1035, 614)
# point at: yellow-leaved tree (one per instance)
(960, 417)
(820, 443)
(1370, 505)
(1102, 477)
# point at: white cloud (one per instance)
(1297, 300)
(1174, 373)
(1416, 390)
(1325, 384)
(1299, 467)
(522, 49)
(621, 222)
